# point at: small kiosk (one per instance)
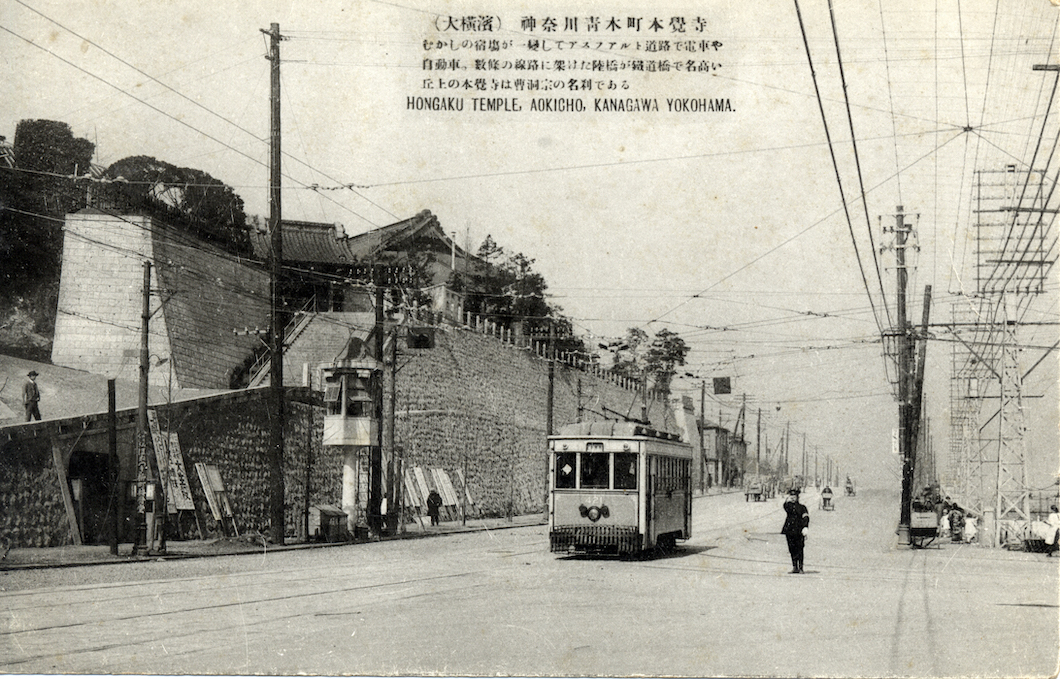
(352, 387)
(349, 418)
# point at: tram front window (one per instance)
(625, 471)
(565, 466)
(595, 470)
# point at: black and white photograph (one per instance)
(461, 338)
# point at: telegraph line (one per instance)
(835, 165)
(857, 161)
(177, 119)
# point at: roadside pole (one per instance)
(375, 461)
(904, 377)
(116, 496)
(277, 519)
(140, 542)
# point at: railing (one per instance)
(297, 324)
(539, 346)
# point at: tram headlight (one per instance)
(594, 513)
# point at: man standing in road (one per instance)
(796, 526)
(31, 396)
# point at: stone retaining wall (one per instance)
(472, 403)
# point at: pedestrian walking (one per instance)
(1053, 539)
(31, 396)
(434, 503)
(796, 527)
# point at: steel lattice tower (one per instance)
(987, 446)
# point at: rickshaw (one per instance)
(755, 489)
(826, 500)
(850, 488)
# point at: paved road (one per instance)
(499, 603)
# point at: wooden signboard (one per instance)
(207, 488)
(170, 466)
(445, 487)
(161, 446)
(180, 488)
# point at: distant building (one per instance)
(324, 265)
(715, 452)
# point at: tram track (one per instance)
(132, 640)
(394, 606)
(265, 580)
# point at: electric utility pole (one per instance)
(141, 541)
(276, 325)
(758, 445)
(703, 420)
(905, 356)
(375, 456)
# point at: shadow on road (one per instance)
(650, 555)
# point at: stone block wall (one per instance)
(203, 293)
(476, 404)
(32, 512)
(234, 435)
(100, 290)
(471, 404)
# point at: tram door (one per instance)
(646, 495)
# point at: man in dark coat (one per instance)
(796, 526)
(434, 502)
(31, 396)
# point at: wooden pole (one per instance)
(277, 421)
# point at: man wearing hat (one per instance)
(31, 396)
(796, 526)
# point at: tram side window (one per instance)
(595, 470)
(625, 471)
(565, 467)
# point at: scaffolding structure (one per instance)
(1012, 507)
(988, 465)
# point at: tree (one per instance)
(505, 288)
(187, 198)
(637, 358)
(667, 351)
(41, 190)
(629, 355)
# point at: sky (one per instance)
(726, 226)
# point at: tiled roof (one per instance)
(318, 243)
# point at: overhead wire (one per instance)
(857, 159)
(835, 164)
(791, 239)
(178, 119)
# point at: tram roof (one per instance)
(615, 429)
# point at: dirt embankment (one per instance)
(27, 323)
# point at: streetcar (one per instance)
(619, 488)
